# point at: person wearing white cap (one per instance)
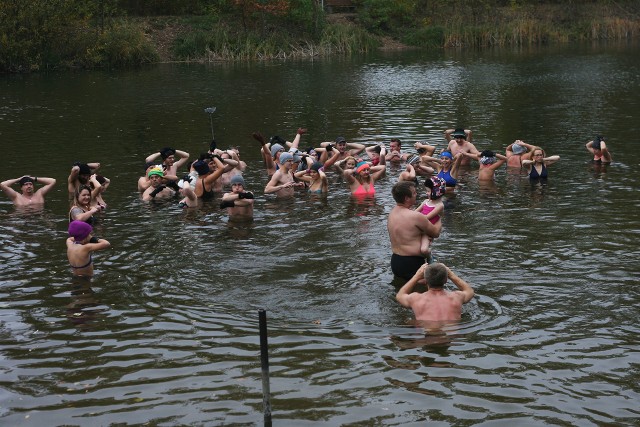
(282, 182)
(518, 151)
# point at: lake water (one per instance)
(166, 333)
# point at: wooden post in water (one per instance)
(264, 360)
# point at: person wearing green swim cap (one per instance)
(157, 190)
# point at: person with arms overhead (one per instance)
(28, 195)
(437, 304)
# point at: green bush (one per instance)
(122, 45)
(429, 37)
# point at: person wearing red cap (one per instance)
(28, 196)
(80, 246)
(361, 180)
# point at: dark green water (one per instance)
(166, 333)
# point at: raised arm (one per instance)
(6, 188)
(348, 175)
(335, 154)
(403, 295)
(429, 149)
(456, 164)
(73, 176)
(209, 179)
(152, 157)
(499, 162)
(464, 287)
(355, 148)
(48, 184)
(184, 156)
(550, 160)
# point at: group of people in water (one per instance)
(290, 169)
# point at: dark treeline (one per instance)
(45, 34)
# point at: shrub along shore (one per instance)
(54, 34)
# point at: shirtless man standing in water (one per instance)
(406, 228)
(28, 195)
(460, 142)
(437, 304)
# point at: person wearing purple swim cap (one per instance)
(80, 247)
(28, 195)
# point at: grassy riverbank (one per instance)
(85, 38)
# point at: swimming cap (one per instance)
(237, 179)
(438, 187)
(201, 167)
(284, 157)
(79, 230)
(487, 157)
(597, 143)
(26, 179)
(518, 149)
(459, 133)
(155, 171)
(341, 140)
(360, 166)
(486, 160)
(316, 166)
(446, 154)
(84, 169)
(166, 152)
(275, 148)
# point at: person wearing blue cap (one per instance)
(282, 182)
(238, 202)
(28, 195)
(460, 142)
(448, 169)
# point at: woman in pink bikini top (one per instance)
(361, 180)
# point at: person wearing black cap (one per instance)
(80, 175)
(29, 195)
(170, 165)
(598, 148)
(460, 142)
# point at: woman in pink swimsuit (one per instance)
(361, 180)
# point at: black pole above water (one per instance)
(264, 360)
